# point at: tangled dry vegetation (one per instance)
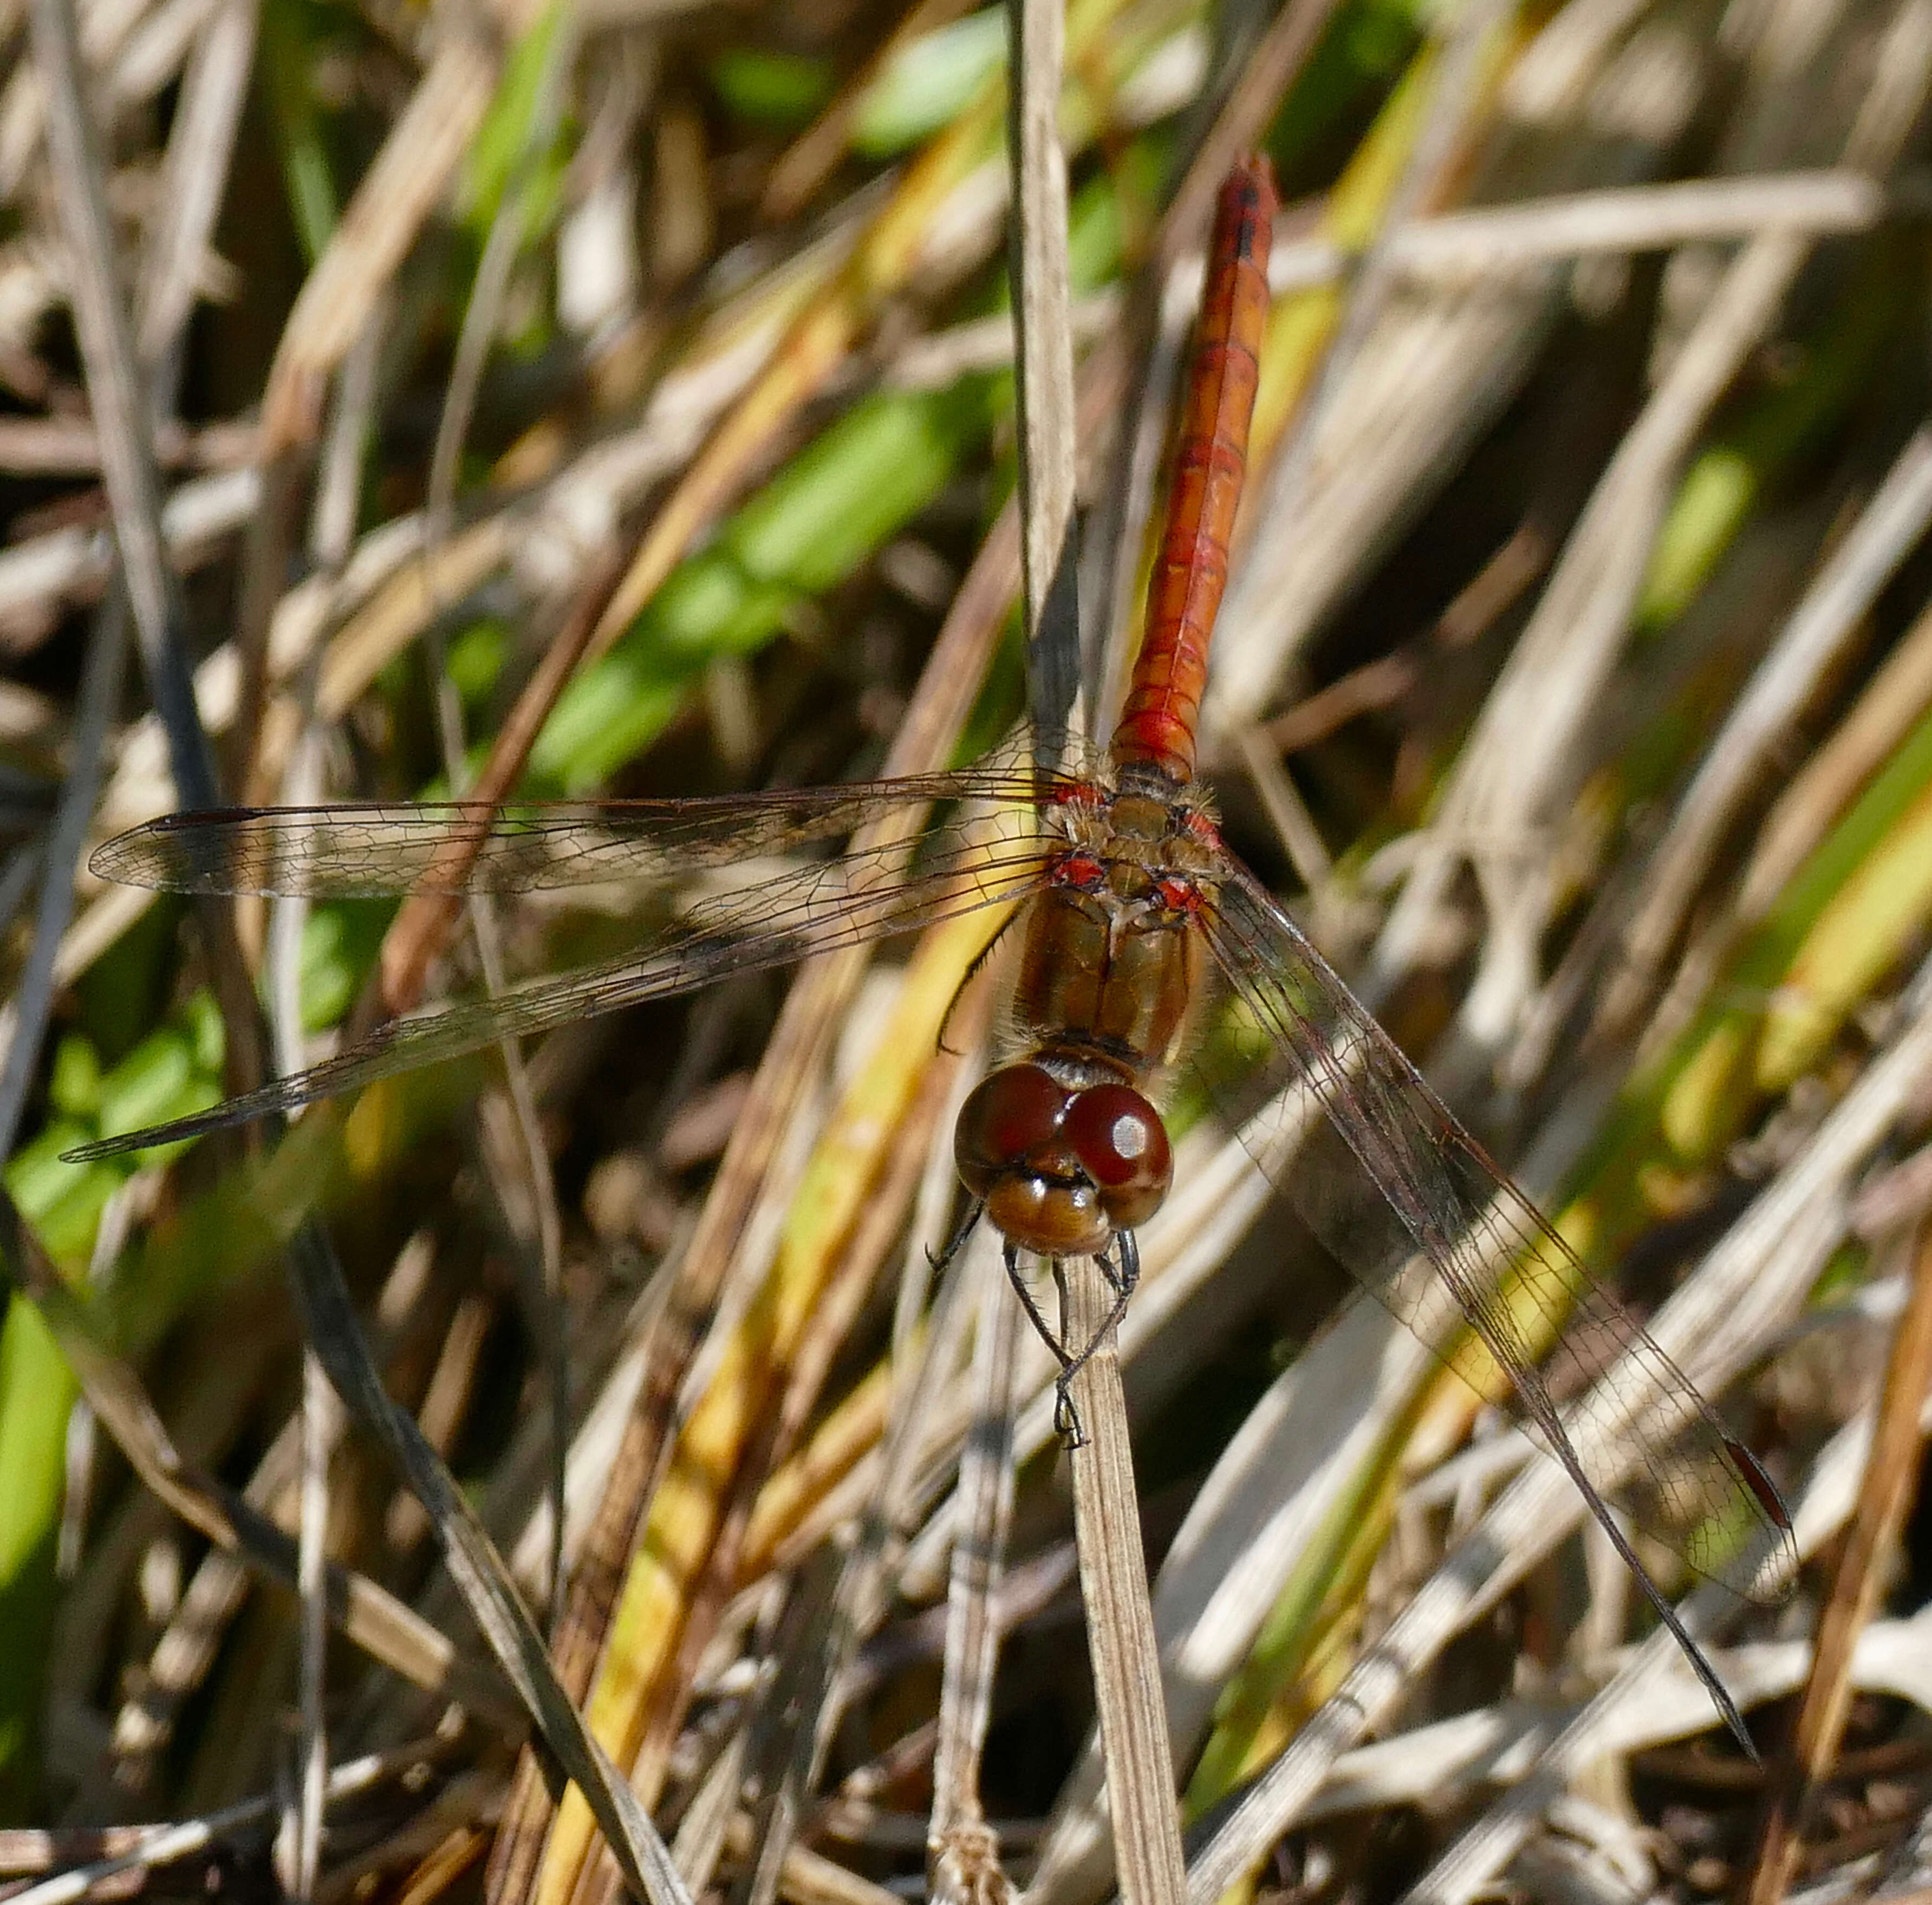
(617, 397)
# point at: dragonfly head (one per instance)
(1062, 1162)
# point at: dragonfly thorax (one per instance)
(1063, 1151)
(1110, 952)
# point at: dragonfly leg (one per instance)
(1065, 1422)
(1042, 1327)
(939, 1264)
(972, 972)
(1121, 1279)
(1121, 1276)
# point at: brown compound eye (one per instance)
(1011, 1115)
(1122, 1145)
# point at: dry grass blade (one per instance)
(1120, 1622)
(115, 389)
(1810, 647)
(200, 149)
(1644, 1705)
(962, 1851)
(399, 191)
(1517, 763)
(369, 1615)
(1043, 357)
(484, 312)
(1885, 1498)
(806, 167)
(1120, 1641)
(300, 1843)
(330, 1326)
(143, 1848)
(34, 994)
(1747, 1287)
(1898, 695)
(1456, 101)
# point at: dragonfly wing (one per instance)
(1406, 1198)
(369, 851)
(864, 896)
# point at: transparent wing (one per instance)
(368, 851)
(862, 896)
(1403, 1195)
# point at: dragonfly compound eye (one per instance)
(1122, 1145)
(1012, 1115)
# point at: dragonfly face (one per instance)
(1062, 1152)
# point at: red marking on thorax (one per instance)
(1080, 870)
(1076, 793)
(1163, 704)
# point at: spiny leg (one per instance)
(1065, 1422)
(972, 972)
(941, 1264)
(1125, 1280)
(1122, 1281)
(1041, 1327)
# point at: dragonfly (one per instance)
(1124, 910)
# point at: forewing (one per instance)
(365, 850)
(862, 896)
(1403, 1195)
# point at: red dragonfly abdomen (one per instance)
(1163, 705)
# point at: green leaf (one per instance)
(37, 1393)
(75, 1085)
(929, 83)
(782, 91)
(825, 514)
(502, 146)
